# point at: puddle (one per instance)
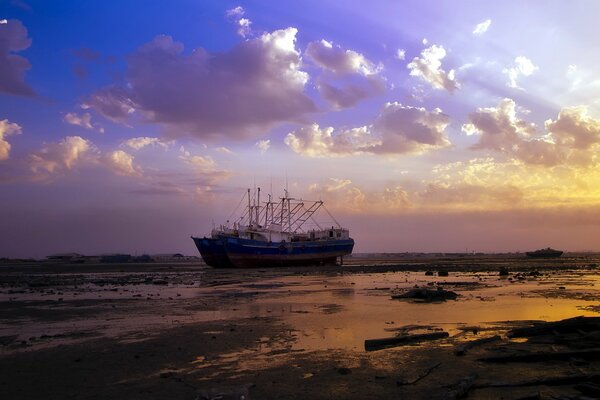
(337, 311)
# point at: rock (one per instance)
(427, 294)
(503, 271)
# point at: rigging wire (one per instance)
(237, 207)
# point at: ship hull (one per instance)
(232, 252)
(213, 252)
(554, 254)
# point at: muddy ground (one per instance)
(184, 331)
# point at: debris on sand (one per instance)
(427, 295)
(576, 324)
(462, 348)
(383, 343)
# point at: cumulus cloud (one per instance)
(398, 129)
(206, 166)
(236, 14)
(7, 129)
(338, 60)
(313, 141)
(349, 76)
(72, 153)
(239, 93)
(406, 129)
(573, 138)
(84, 120)
(482, 27)
(13, 38)
(121, 163)
(61, 156)
(263, 145)
(574, 129)
(400, 54)
(143, 141)
(428, 68)
(523, 67)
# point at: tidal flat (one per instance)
(186, 331)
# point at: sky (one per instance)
(424, 126)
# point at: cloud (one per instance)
(313, 141)
(13, 38)
(343, 195)
(239, 93)
(84, 120)
(143, 141)
(236, 14)
(398, 129)
(573, 138)
(400, 54)
(112, 102)
(336, 184)
(522, 67)
(263, 145)
(206, 166)
(349, 76)
(73, 152)
(406, 129)
(7, 129)
(224, 150)
(482, 27)
(338, 60)
(428, 68)
(574, 129)
(61, 156)
(121, 163)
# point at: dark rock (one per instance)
(427, 294)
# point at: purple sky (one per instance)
(423, 125)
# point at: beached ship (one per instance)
(276, 234)
(545, 253)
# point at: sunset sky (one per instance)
(424, 125)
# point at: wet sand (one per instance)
(184, 331)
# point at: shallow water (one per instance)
(337, 311)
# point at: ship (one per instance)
(544, 253)
(276, 234)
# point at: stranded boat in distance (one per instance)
(544, 253)
(274, 234)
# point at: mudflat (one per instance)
(185, 331)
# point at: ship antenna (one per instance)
(286, 184)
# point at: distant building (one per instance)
(168, 257)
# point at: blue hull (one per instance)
(213, 252)
(228, 252)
